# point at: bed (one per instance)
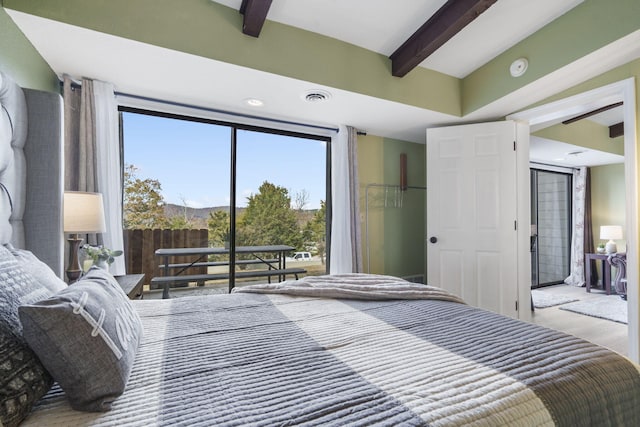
(333, 350)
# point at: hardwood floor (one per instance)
(606, 333)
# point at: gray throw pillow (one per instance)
(23, 379)
(87, 337)
(38, 269)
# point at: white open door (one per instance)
(472, 214)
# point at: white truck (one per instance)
(300, 256)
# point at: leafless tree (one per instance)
(300, 199)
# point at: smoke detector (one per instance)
(518, 67)
(316, 95)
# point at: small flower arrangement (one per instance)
(101, 254)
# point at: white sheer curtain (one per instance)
(346, 254)
(108, 168)
(577, 275)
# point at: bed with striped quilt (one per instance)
(356, 350)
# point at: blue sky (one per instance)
(192, 161)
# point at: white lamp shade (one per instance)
(83, 212)
(611, 232)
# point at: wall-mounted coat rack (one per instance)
(393, 198)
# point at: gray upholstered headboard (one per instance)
(31, 171)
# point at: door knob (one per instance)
(433, 239)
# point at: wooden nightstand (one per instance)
(131, 284)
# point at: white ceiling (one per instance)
(550, 152)
(609, 117)
(557, 153)
(380, 25)
(151, 71)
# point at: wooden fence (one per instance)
(140, 247)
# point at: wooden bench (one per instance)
(187, 278)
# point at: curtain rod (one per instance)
(555, 166)
(230, 113)
(75, 84)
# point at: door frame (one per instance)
(624, 91)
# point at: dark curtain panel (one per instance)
(589, 247)
(71, 95)
(80, 141)
(354, 209)
(79, 136)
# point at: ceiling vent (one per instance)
(317, 96)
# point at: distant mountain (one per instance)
(201, 213)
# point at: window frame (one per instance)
(234, 127)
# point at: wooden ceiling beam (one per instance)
(255, 13)
(616, 130)
(452, 17)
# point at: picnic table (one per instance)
(273, 257)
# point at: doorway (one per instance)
(551, 227)
(624, 91)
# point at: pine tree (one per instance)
(269, 219)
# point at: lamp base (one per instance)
(73, 270)
(610, 247)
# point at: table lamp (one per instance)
(83, 213)
(611, 233)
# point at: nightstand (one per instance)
(131, 284)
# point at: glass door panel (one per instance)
(280, 201)
(551, 222)
(176, 194)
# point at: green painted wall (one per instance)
(396, 219)
(211, 30)
(608, 200)
(198, 26)
(194, 26)
(584, 133)
(589, 26)
(623, 72)
(20, 60)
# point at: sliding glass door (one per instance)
(254, 197)
(551, 227)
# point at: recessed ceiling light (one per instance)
(254, 102)
(316, 95)
(559, 159)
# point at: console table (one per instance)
(131, 284)
(606, 270)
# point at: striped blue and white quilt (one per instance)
(271, 359)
